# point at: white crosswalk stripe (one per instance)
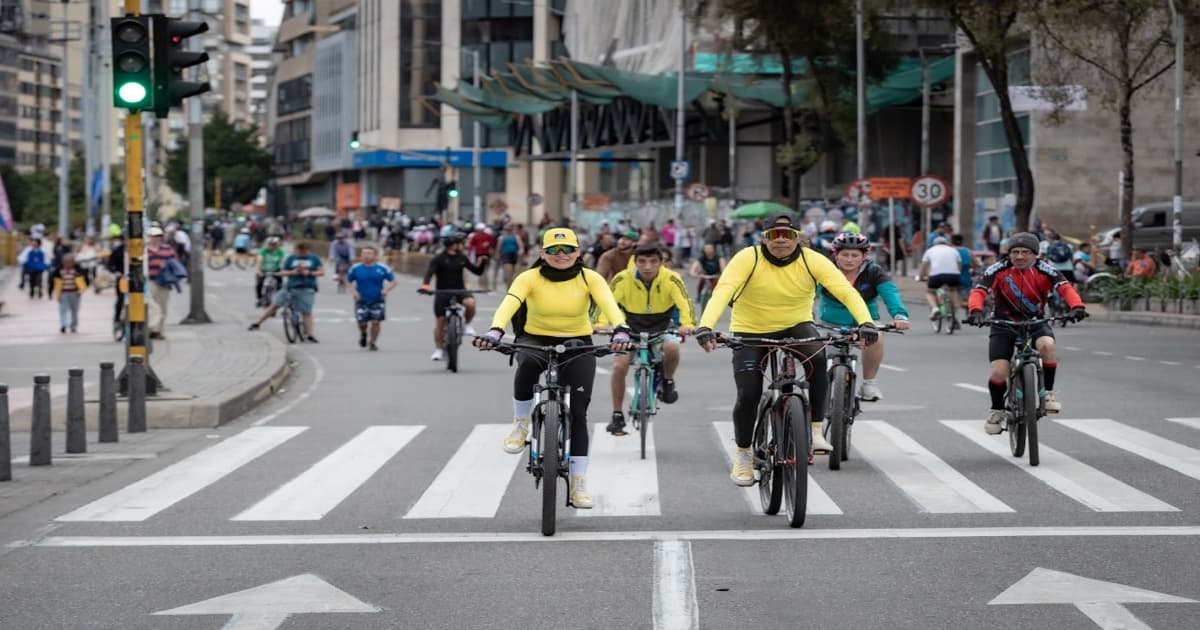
(1182, 459)
(819, 502)
(143, 499)
(930, 482)
(474, 481)
(1069, 476)
(619, 480)
(316, 491)
(476, 476)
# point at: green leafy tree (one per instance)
(1119, 47)
(822, 36)
(231, 153)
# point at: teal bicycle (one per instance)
(648, 377)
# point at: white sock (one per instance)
(521, 408)
(579, 466)
(868, 381)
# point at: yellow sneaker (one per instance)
(743, 467)
(579, 494)
(515, 442)
(819, 443)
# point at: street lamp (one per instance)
(1177, 200)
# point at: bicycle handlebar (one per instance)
(451, 292)
(506, 347)
(1028, 322)
(843, 330)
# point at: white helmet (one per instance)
(828, 226)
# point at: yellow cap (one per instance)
(559, 236)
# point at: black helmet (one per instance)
(452, 239)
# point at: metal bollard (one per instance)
(39, 433)
(136, 422)
(5, 443)
(108, 403)
(76, 421)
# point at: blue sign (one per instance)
(410, 159)
(680, 169)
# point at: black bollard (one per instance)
(108, 403)
(136, 422)
(39, 432)
(76, 421)
(5, 443)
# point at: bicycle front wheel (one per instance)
(839, 381)
(451, 345)
(551, 463)
(643, 389)
(1016, 421)
(936, 322)
(1031, 385)
(795, 460)
(217, 261)
(243, 262)
(289, 326)
(766, 444)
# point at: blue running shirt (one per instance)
(369, 280)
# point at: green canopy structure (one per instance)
(758, 210)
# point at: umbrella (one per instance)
(316, 211)
(758, 209)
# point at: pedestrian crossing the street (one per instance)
(950, 471)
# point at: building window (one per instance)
(292, 146)
(294, 96)
(420, 59)
(994, 173)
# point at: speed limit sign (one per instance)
(929, 191)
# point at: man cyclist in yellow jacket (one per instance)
(771, 288)
(649, 295)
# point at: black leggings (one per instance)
(35, 282)
(748, 375)
(578, 373)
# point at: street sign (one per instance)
(697, 191)
(1101, 601)
(859, 192)
(929, 191)
(680, 169)
(890, 187)
(266, 607)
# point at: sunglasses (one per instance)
(555, 250)
(780, 233)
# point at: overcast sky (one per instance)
(269, 11)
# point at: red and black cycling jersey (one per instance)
(1021, 294)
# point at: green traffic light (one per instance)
(132, 93)
(355, 144)
(452, 193)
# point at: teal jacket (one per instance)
(872, 282)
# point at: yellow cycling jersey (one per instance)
(650, 309)
(558, 309)
(777, 298)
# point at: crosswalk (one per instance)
(477, 477)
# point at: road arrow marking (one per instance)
(266, 607)
(1101, 601)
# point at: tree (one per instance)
(991, 27)
(232, 153)
(822, 36)
(1124, 45)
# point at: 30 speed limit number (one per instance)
(929, 191)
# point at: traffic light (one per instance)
(354, 143)
(170, 59)
(452, 190)
(133, 72)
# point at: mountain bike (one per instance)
(272, 282)
(946, 317)
(1025, 400)
(293, 322)
(455, 314)
(844, 403)
(550, 422)
(781, 440)
(648, 377)
(341, 267)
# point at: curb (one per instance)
(256, 393)
(1142, 318)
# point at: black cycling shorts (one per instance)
(442, 301)
(944, 280)
(1003, 339)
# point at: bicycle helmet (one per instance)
(850, 240)
(452, 239)
(828, 226)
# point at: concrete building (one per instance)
(262, 43)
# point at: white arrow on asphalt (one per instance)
(266, 607)
(1101, 601)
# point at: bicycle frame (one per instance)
(648, 357)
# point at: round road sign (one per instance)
(929, 191)
(859, 192)
(697, 191)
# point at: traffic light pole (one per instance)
(195, 169)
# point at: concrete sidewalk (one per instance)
(212, 373)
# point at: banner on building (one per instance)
(6, 219)
(389, 203)
(1035, 98)
(348, 197)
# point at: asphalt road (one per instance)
(374, 494)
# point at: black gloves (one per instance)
(1078, 314)
(704, 335)
(868, 333)
(975, 318)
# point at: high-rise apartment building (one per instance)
(262, 44)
